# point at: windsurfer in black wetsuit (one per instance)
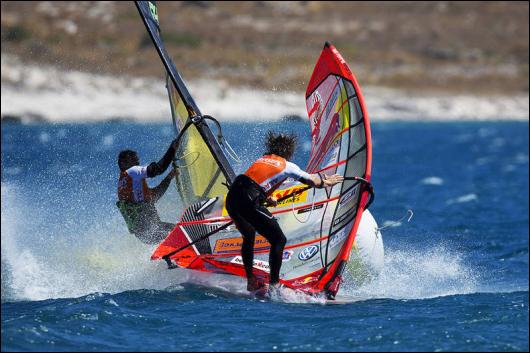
(250, 191)
(137, 200)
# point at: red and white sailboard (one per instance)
(335, 226)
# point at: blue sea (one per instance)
(455, 275)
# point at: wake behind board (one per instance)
(293, 296)
(290, 296)
(234, 289)
(344, 300)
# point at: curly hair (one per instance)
(282, 145)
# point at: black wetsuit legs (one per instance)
(244, 205)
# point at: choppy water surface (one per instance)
(455, 277)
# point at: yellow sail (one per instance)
(200, 176)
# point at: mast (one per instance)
(149, 13)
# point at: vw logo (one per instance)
(308, 252)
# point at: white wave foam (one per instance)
(105, 259)
(391, 224)
(462, 199)
(237, 286)
(286, 295)
(102, 259)
(417, 274)
(432, 181)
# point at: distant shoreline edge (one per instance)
(41, 94)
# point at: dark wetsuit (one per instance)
(244, 204)
(137, 200)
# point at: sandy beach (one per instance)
(47, 94)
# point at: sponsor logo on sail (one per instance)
(259, 264)
(347, 196)
(308, 253)
(287, 254)
(337, 238)
(228, 245)
(296, 198)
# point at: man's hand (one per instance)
(333, 179)
(272, 201)
(323, 181)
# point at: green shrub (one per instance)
(15, 33)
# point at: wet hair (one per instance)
(125, 159)
(282, 145)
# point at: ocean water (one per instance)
(455, 276)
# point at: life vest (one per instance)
(133, 187)
(271, 170)
(135, 200)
